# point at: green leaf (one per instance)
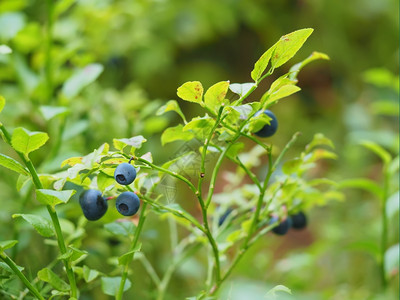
(52, 198)
(241, 88)
(4, 49)
(127, 257)
(7, 244)
(279, 288)
(294, 70)
(362, 183)
(234, 150)
(2, 103)
(26, 141)
(319, 140)
(136, 142)
(257, 122)
(378, 150)
(392, 260)
(104, 181)
(261, 64)
(7, 268)
(73, 254)
(81, 79)
(200, 126)
(122, 228)
(214, 98)
(89, 274)
(288, 45)
(171, 105)
(55, 281)
(43, 226)
(50, 112)
(191, 91)
(110, 285)
(12, 164)
(283, 92)
(176, 133)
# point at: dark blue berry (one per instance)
(93, 205)
(127, 204)
(299, 220)
(224, 216)
(283, 227)
(125, 174)
(268, 129)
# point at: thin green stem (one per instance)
(384, 236)
(173, 174)
(53, 214)
(285, 149)
(138, 230)
(21, 276)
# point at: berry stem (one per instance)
(138, 230)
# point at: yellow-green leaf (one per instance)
(288, 45)
(43, 226)
(261, 64)
(52, 198)
(12, 164)
(176, 133)
(2, 102)
(191, 91)
(294, 70)
(171, 105)
(215, 96)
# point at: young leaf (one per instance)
(191, 91)
(378, 150)
(171, 105)
(288, 45)
(176, 133)
(81, 79)
(55, 281)
(262, 63)
(215, 96)
(26, 141)
(52, 198)
(4, 245)
(110, 285)
(50, 112)
(6, 267)
(43, 226)
(283, 92)
(135, 142)
(294, 70)
(12, 164)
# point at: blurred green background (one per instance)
(144, 50)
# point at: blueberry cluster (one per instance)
(94, 205)
(297, 221)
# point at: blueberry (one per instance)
(224, 216)
(268, 129)
(299, 220)
(93, 205)
(283, 227)
(127, 203)
(125, 174)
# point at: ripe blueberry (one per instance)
(127, 203)
(125, 174)
(224, 216)
(299, 220)
(93, 205)
(283, 227)
(268, 129)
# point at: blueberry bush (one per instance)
(264, 204)
(229, 190)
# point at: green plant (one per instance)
(229, 118)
